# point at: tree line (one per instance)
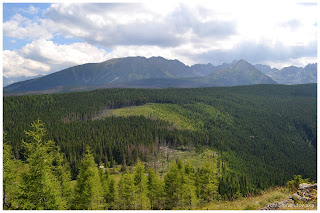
(272, 135)
(43, 181)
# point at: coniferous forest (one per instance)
(62, 151)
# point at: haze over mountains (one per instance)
(292, 74)
(10, 80)
(158, 72)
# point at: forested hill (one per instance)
(266, 132)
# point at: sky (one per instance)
(41, 38)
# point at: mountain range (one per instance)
(158, 72)
(291, 74)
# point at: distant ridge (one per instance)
(240, 73)
(141, 72)
(291, 74)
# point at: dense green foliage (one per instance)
(88, 191)
(41, 185)
(9, 177)
(46, 181)
(293, 185)
(185, 116)
(267, 132)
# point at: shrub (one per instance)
(293, 185)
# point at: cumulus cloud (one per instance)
(226, 33)
(16, 65)
(43, 56)
(21, 27)
(62, 55)
(201, 22)
(193, 32)
(259, 53)
(132, 24)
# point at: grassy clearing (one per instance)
(166, 112)
(187, 116)
(250, 203)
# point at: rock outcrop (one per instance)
(277, 205)
(306, 194)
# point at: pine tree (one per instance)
(62, 172)
(189, 198)
(10, 188)
(88, 191)
(244, 185)
(40, 188)
(207, 181)
(126, 192)
(140, 182)
(229, 186)
(155, 190)
(172, 186)
(111, 196)
(108, 184)
(179, 188)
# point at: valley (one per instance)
(152, 105)
(260, 136)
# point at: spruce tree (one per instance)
(189, 198)
(207, 182)
(10, 188)
(40, 188)
(88, 190)
(180, 187)
(172, 186)
(111, 195)
(62, 172)
(140, 182)
(155, 190)
(126, 192)
(108, 184)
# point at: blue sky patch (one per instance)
(28, 10)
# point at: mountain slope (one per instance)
(10, 80)
(292, 74)
(108, 72)
(239, 73)
(144, 72)
(202, 69)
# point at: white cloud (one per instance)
(43, 56)
(149, 51)
(76, 53)
(31, 10)
(272, 32)
(135, 24)
(15, 65)
(23, 28)
(202, 26)
(299, 62)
